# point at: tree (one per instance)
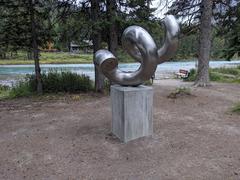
(34, 41)
(204, 43)
(25, 18)
(31, 23)
(198, 16)
(229, 23)
(112, 25)
(96, 37)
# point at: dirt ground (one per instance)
(195, 137)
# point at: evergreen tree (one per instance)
(25, 25)
(229, 21)
(198, 15)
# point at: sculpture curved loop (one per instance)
(140, 45)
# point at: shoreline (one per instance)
(27, 62)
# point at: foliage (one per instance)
(181, 91)
(192, 75)
(232, 30)
(4, 91)
(4, 87)
(236, 108)
(230, 75)
(19, 16)
(54, 81)
(21, 89)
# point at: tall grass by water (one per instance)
(53, 82)
(225, 75)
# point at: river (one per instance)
(9, 74)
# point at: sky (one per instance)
(161, 7)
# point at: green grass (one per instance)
(21, 89)
(236, 108)
(225, 75)
(49, 58)
(4, 92)
(60, 58)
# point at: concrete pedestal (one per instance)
(132, 111)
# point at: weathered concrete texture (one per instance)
(132, 112)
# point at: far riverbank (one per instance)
(9, 74)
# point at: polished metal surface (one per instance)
(139, 44)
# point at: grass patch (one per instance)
(179, 92)
(21, 89)
(49, 58)
(225, 75)
(60, 58)
(4, 92)
(236, 108)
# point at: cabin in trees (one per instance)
(85, 46)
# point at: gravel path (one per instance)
(195, 137)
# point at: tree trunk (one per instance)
(113, 36)
(30, 55)
(96, 36)
(35, 48)
(204, 43)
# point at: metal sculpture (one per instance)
(141, 46)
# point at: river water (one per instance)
(9, 74)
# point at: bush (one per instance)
(181, 91)
(214, 76)
(21, 89)
(219, 75)
(4, 91)
(236, 108)
(4, 87)
(192, 75)
(231, 71)
(54, 81)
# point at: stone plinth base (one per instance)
(132, 112)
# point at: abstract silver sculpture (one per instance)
(141, 46)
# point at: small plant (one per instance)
(236, 108)
(4, 87)
(21, 89)
(181, 91)
(107, 85)
(214, 76)
(148, 83)
(192, 75)
(4, 91)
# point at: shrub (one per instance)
(4, 87)
(236, 108)
(232, 71)
(181, 91)
(63, 81)
(52, 82)
(219, 75)
(192, 75)
(214, 76)
(21, 89)
(4, 91)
